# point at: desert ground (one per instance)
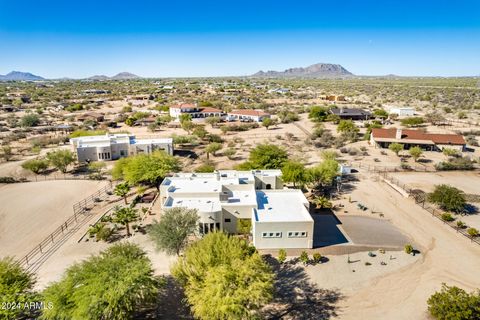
(446, 257)
(467, 181)
(29, 214)
(370, 292)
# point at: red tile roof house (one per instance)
(247, 114)
(428, 141)
(194, 111)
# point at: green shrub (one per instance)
(472, 232)
(447, 217)
(304, 257)
(317, 257)
(454, 303)
(408, 248)
(282, 255)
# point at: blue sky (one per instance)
(221, 38)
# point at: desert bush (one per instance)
(408, 248)
(282, 255)
(447, 217)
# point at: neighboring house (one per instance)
(279, 90)
(98, 117)
(409, 138)
(247, 114)
(193, 110)
(228, 199)
(116, 146)
(401, 111)
(351, 113)
(96, 91)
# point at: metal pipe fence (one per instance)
(79, 214)
(420, 198)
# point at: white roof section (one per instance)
(193, 184)
(151, 141)
(281, 206)
(202, 204)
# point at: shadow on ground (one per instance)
(326, 231)
(170, 305)
(296, 297)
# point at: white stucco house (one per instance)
(400, 111)
(194, 111)
(247, 114)
(279, 217)
(115, 146)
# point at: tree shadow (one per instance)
(170, 304)
(296, 297)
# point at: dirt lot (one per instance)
(31, 211)
(402, 294)
(467, 181)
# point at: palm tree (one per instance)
(122, 190)
(124, 216)
(322, 202)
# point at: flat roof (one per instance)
(151, 141)
(193, 184)
(202, 204)
(281, 206)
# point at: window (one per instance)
(297, 234)
(271, 234)
(228, 220)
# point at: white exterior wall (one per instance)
(451, 146)
(175, 112)
(284, 241)
(402, 112)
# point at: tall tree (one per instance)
(266, 156)
(295, 172)
(110, 286)
(61, 159)
(324, 173)
(213, 148)
(149, 169)
(171, 233)
(223, 278)
(16, 286)
(267, 122)
(448, 198)
(415, 152)
(453, 303)
(395, 147)
(36, 166)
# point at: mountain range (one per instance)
(119, 76)
(27, 76)
(319, 70)
(20, 76)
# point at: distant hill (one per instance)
(124, 76)
(20, 76)
(319, 70)
(99, 77)
(119, 76)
